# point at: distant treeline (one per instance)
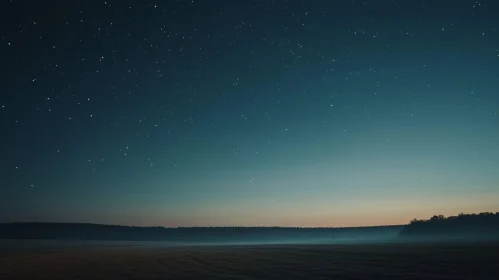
(80, 231)
(482, 225)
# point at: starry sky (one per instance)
(218, 112)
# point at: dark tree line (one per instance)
(77, 231)
(480, 225)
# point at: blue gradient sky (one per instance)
(302, 113)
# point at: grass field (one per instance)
(375, 261)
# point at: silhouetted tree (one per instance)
(484, 224)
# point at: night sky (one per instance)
(290, 113)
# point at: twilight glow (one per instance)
(290, 113)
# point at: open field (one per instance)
(375, 261)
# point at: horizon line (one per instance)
(181, 227)
(240, 226)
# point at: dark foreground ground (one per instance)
(375, 261)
